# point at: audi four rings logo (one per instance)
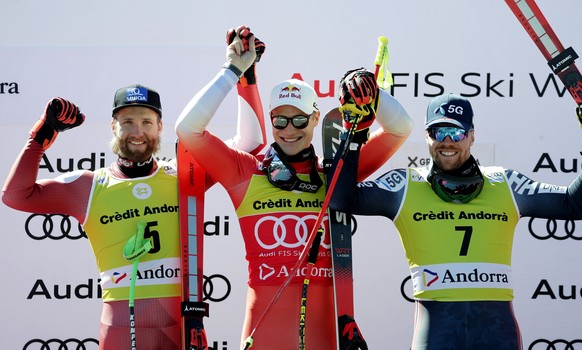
(53, 226)
(556, 229)
(558, 344)
(272, 232)
(221, 285)
(404, 288)
(58, 344)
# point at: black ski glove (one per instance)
(59, 115)
(358, 101)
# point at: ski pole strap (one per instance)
(137, 246)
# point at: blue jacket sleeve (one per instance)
(368, 197)
(543, 200)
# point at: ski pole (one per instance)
(248, 343)
(348, 333)
(311, 260)
(133, 250)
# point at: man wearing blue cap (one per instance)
(456, 222)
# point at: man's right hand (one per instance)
(241, 52)
(358, 101)
(59, 115)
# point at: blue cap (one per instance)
(137, 95)
(450, 109)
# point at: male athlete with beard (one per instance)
(110, 202)
(456, 221)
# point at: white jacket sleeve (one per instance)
(391, 116)
(197, 114)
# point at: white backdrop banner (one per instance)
(84, 50)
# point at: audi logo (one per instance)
(289, 231)
(354, 224)
(558, 344)
(52, 226)
(58, 344)
(404, 289)
(556, 229)
(216, 284)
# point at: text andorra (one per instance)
(134, 213)
(314, 271)
(462, 215)
(474, 276)
(287, 203)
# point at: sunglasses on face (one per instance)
(439, 133)
(299, 121)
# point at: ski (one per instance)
(191, 189)
(348, 333)
(560, 60)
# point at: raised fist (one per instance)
(358, 86)
(63, 115)
(244, 34)
(59, 115)
(358, 98)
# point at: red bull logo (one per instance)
(290, 91)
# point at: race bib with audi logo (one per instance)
(276, 225)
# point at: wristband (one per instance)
(234, 69)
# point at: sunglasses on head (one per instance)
(439, 133)
(299, 121)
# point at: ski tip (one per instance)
(333, 113)
(383, 40)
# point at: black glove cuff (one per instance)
(361, 136)
(234, 69)
(249, 75)
(45, 135)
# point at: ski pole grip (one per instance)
(382, 44)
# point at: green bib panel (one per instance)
(459, 252)
(115, 208)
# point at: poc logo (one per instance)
(308, 187)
